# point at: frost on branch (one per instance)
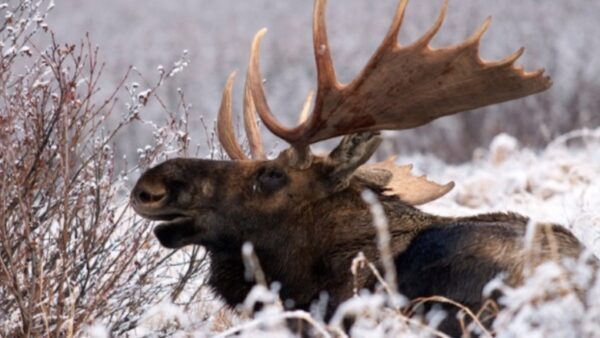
(74, 258)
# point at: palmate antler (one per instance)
(401, 87)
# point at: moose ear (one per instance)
(352, 152)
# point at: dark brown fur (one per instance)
(307, 225)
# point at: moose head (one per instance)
(401, 87)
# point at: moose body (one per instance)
(307, 244)
(305, 214)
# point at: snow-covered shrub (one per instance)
(72, 253)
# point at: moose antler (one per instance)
(225, 130)
(398, 180)
(400, 87)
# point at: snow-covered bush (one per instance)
(72, 253)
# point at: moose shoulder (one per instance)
(304, 213)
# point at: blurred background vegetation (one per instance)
(561, 36)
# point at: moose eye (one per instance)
(271, 180)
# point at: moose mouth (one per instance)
(176, 231)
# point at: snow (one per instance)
(97, 330)
(559, 184)
(161, 315)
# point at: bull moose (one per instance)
(304, 213)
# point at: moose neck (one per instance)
(350, 230)
(310, 250)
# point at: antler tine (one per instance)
(258, 93)
(306, 108)
(509, 60)
(225, 130)
(325, 72)
(476, 37)
(391, 38)
(251, 125)
(428, 36)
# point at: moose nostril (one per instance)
(146, 196)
